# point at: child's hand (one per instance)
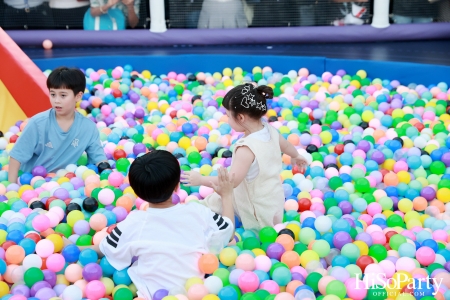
(300, 162)
(191, 178)
(225, 184)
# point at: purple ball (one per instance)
(92, 271)
(227, 162)
(77, 182)
(45, 294)
(139, 148)
(341, 238)
(275, 250)
(341, 73)
(39, 171)
(428, 193)
(364, 145)
(378, 157)
(134, 97)
(109, 207)
(447, 266)
(139, 113)
(59, 289)
(50, 277)
(61, 194)
(346, 207)
(365, 237)
(175, 199)
(159, 294)
(21, 289)
(298, 276)
(38, 286)
(81, 227)
(131, 122)
(336, 125)
(120, 212)
(3, 198)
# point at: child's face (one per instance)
(234, 123)
(64, 101)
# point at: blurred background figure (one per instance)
(68, 14)
(27, 14)
(415, 11)
(222, 14)
(130, 9)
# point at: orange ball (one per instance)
(14, 255)
(291, 259)
(96, 102)
(286, 241)
(200, 143)
(208, 263)
(98, 222)
(292, 286)
(294, 139)
(391, 179)
(47, 44)
(420, 204)
(439, 205)
(125, 202)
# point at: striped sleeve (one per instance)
(117, 247)
(220, 230)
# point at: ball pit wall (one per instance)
(22, 90)
(404, 72)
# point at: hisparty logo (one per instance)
(394, 284)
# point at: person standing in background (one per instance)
(27, 14)
(130, 9)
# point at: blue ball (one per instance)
(121, 277)
(71, 253)
(88, 256)
(107, 268)
(431, 243)
(28, 245)
(228, 293)
(15, 235)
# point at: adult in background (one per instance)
(222, 14)
(415, 11)
(27, 14)
(130, 9)
(68, 14)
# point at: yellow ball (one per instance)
(133, 289)
(304, 194)
(228, 82)
(238, 77)
(404, 177)
(307, 257)
(227, 72)
(184, 142)
(57, 241)
(74, 216)
(326, 137)
(228, 256)
(86, 174)
(217, 76)
(355, 83)
(398, 113)
(430, 148)
(146, 74)
(367, 116)
(258, 252)
(205, 170)
(314, 88)
(256, 70)
(363, 248)
(65, 179)
(210, 297)
(362, 74)
(61, 279)
(163, 139)
(413, 223)
(295, 229)
(286, 174)
(24, 188)
(3, 235)
(118, 287)
(443, 194)
(271, 113)
(109, 285)
(238, 71)
(104, 183)
(389, 164)
(171, 298)
(405, 205)
(412, 215)
(12, 194)
(152, 105)
(164, 107)
(191, 281)
(4, 289)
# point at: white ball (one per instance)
(213, 284)
(306, 185)
(32, 261)
(323, 223)
(71, 168)
(72, 292)
(3, 143)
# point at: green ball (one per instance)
(64, 229)
(362, 185)
(237, 289)
(268, 235)
(437, 167)
(377, 292)
(335, 182)
(270, 297)
(251, 243)
(275, 266)
(123, 294)
(300, 248)
(250, 296)
(351, 251)
(377, 251)
(223, 275)
(83, 160)
(3, 207)
(262, 294)
(396, 240)
(122, 164)
(33, 275)
(312, 280)
(194, 157)
(336, 288)
(84, 240)
(179, 89)
(394, 221)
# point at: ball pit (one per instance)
(369, 219)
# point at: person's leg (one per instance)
(402, 19)
(422, 20)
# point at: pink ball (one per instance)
(45, 248)
(106, 196)
(197, 292)
(270, 286)
(106, 110)
(374, 208)
(41, 223)
(116, 74)
(291, 204)
(55, 262)
(263, 263)
(205, 191)
(354, 290)
(440, 235)
(245, 262)
(405, 264)
(95, 290)
(400, 166)
(94, 76)
(73, 273)
(248, 282)
(115, 179)
(425, 256)
(388, 267)
(18, 297)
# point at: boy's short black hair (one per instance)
(67, 78)
(154, 176)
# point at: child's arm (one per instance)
(224, 187)
(296, 159)
(242, 161)
(13, 171)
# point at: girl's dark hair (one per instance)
(154, 176)
(248, 99)
(67, 78)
